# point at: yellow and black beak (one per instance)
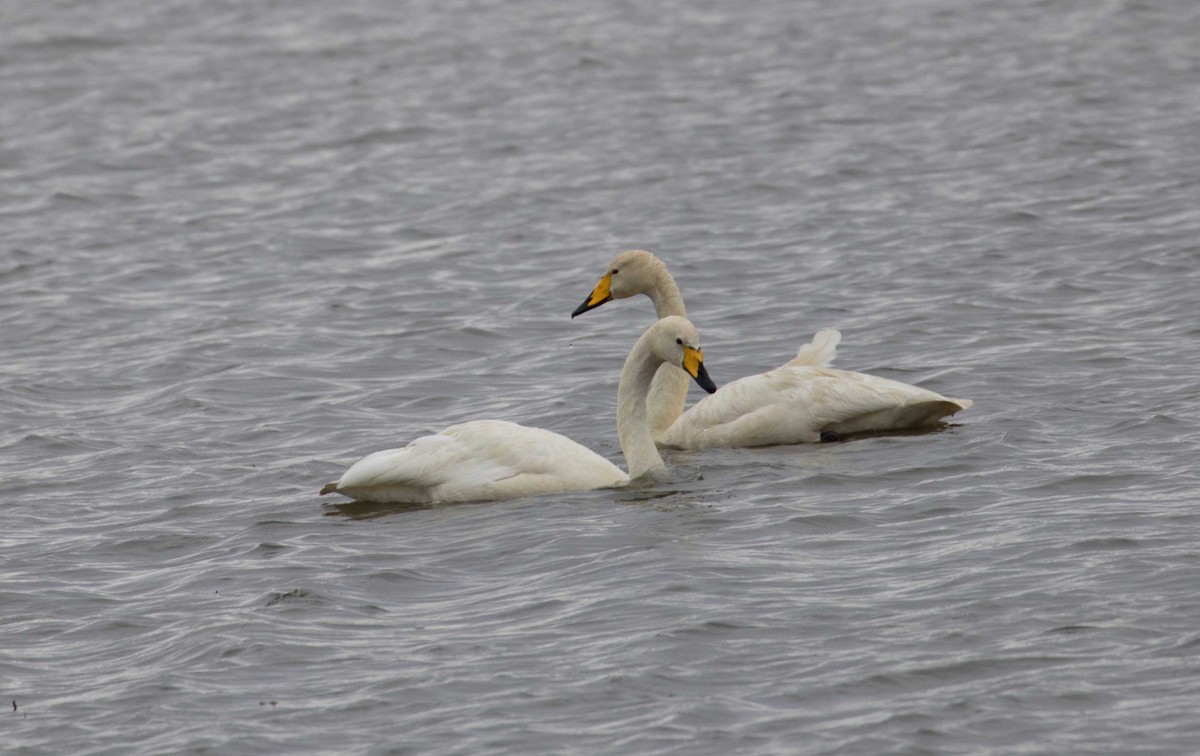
(693, 363)
(601, 294)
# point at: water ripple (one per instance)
(247, 246)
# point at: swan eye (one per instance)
(614, 271)
(679, 342)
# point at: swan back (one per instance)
(483, 460)
(796, 403)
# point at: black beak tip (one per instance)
(704, 380)
(585, 306)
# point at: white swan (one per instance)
(804, 401)
(488, 460)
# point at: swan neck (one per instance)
(668, 396)
(633, 427)
(665, 295)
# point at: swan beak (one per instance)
(693, 363)
(601, 294)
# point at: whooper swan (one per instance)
(804, 401)
(487, 460)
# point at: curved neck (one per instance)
(665, 295)
(668, 397)
(668, 393)
(633, 427)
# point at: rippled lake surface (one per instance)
(242, 245)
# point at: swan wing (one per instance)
(417, 472)
(818, 353)
(859, 403)
(794, 404)
(480, 460)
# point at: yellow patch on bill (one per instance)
(602, 291)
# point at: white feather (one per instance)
(820, 352)
(489, 460)
(795, 404)
(792, 404)
(479, 460)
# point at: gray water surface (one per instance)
(243, 245)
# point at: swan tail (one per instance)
(329, 488)
(818, 353)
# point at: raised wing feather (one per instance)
(819, 352)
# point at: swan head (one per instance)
(633, 272)
(676, 341)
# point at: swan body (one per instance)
(795, 403)
(490, 460)
(479, 460)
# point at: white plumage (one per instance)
(795, 403)
(479, 460)
(489, 460)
